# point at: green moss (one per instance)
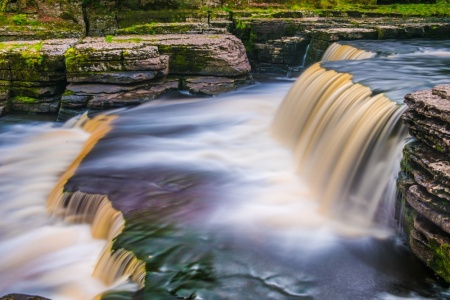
(109, 38)
(244, 31)
(408, 216)
(128, 40)
(20, 19)
(33, 56)
(24, 99)
(183, 60)
(68, 93)
(440, 262)
(438, 147)
(73, 58)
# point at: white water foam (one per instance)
(39, 255)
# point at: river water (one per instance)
(223, 192)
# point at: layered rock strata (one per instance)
(71, 76)
(130, 70)
(305, 38)
(32, 75)
(104, 75)
(424, 180)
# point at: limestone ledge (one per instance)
(266, 39)
(69, 75)
(424, 180)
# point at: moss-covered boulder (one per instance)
(32, 75)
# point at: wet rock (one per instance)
(22, 297)
(424, 182)
(211, 85)
(322, 39)
(280, 54)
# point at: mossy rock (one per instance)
(164, 28)
(132, 18)
(34, 105)
(199, 54)
(38, 92)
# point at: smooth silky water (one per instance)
(282, 200)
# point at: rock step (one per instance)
(108, 72)
(217, 27)
(428, 117)
(424, 180)
(33, 75)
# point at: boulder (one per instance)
(33, 75)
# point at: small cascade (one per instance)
(96, 210)
(106, 223)
(92, 209)
(337, 51)
(114, 265)
(344, 140)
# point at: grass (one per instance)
(440, 9)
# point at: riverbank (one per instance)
(200, 52)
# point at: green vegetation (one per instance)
(20, 19)
(24, 99)
(322, 7)
(73, 58)
(127, 40)
(183, 60)
(30, 53)
(33, 55)
(68, 93)
(108, 38)
(440, 262)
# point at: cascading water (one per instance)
(343, 138)
(337, 51)
(194, 198)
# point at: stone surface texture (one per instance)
(130, 70)
(32, 75)
(424, 180)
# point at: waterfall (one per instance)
(337, 51)
(344, 141)
(96, 210)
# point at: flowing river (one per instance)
(281, 190)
